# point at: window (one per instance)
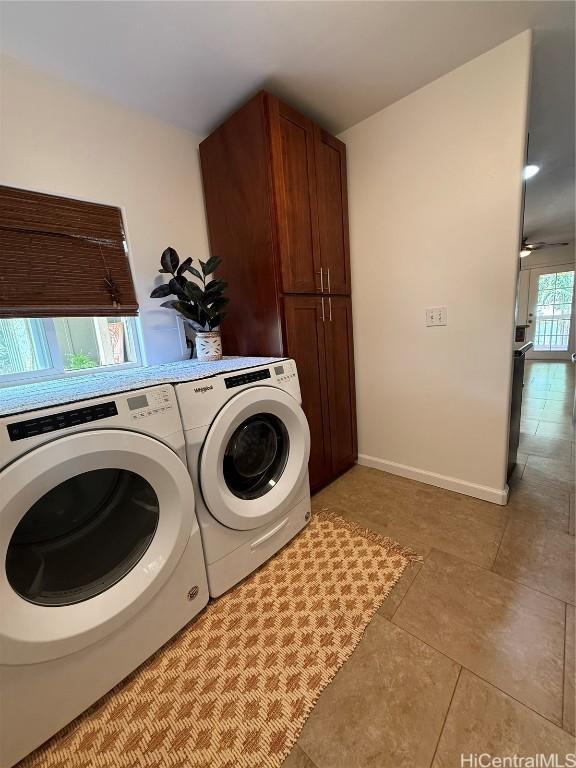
(32, 348)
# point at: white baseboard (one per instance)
(484, 492)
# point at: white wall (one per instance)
(435, 196)
(56, 137)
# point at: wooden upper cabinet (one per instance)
(309, 178)
(293, 172)
(330, 156)
(236, 178)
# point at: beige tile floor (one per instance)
(473, 651)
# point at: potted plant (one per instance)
(201, 304)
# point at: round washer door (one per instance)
(93, 524)
(254, 458)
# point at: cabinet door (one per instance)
(330, 154)
(236, 178)
(340, 381)
(293, 173)
(305, 343)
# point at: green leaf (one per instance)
(215, 321)
(189, 311)
(219, 303)
(193, 291)
(195, 272)
(216, 286)
(177, 288)
(161, 291)
(182, 281)
(169, 260)
(184, 266)
(186, 310)
(211, 265)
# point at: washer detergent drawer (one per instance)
(230, 569)
(93, 524)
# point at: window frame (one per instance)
(57, 370)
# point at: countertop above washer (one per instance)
(45, 394)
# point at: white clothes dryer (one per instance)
(101, 552)
(248, 444)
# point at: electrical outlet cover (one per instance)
(436, 316)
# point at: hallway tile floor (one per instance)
(473, 651)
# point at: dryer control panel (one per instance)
(42, 424)
(151, 410)
(150, 403)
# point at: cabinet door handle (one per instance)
(329, 291)
(323, 315)
(321, 273)
(330, 308)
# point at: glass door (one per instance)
(551, 313)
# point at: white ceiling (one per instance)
(191, 63)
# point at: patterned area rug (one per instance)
(234, 688)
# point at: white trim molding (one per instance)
(484, 492)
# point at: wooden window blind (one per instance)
(62, 258)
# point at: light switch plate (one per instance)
(436, 316)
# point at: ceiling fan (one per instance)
(528, 247)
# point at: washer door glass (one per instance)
(256, 455)
(82, 537)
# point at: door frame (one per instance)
(533, 354)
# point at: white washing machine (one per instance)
(247, 443)
(101, 551)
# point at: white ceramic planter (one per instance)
(208, 346)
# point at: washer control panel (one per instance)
(40, 425)
(151, 403)
(246, 378)
(285, 371)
